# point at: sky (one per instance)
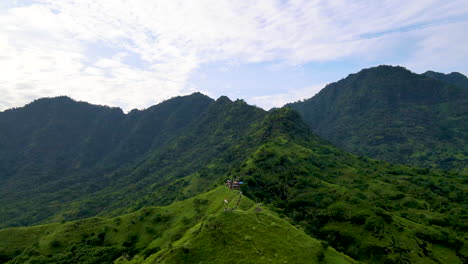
(137, 53)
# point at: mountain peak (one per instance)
(387, 68)
(223, 99)
(287, 122)
(454, 78)
(56, 99)
(61, 103)
(385, 71)
(198, 94)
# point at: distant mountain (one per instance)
(393, 114)
(454, 78)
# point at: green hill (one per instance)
(392, 114)
(370, 210)
(191, 231)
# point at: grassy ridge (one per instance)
(189, 231)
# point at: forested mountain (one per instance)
(393, 114)
(370, 210)
(69, 160)
(64, 161)
(454, 78)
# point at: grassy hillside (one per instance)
(392, 114)
(370, 210)
(191, 231)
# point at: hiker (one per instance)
(235, 185)
(229, 184)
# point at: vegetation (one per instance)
(454, 78)
(194, 230)
(69, 160)
(392, 114)
(370, 210)
(144, 187)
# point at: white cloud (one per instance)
(280, 99)
(45, 45)
(443, 48)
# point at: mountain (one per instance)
(392, 114)
(370, 210)
(178, 154)
(454, 78)
(66, 160)
(191, 231)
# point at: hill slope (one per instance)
(190, 231)
(69, 160)
(393, 114)
(370, 210)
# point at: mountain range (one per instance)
(327, 179)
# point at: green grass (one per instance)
(196, 230)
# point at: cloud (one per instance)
(137, 53)
(442, 48)
(280, 99)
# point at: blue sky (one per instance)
(134, 54)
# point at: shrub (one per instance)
(374, 224)
(55, 244)
(320, 256)
(150, 251)
(324, 244)
(359, 217)
(385, 215)
(150, 230)
(338, 211)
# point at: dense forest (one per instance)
(84, 160)
(95, 185)
(392, 114)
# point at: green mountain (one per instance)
(454, 78)
(66, 160)
(192, 231)
(368, 210)
(392, 114)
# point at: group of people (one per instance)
(233, 184)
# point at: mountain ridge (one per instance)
(135, 146)
(393, 114)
